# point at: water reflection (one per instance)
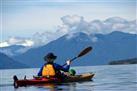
(55, 87)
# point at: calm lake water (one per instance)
(107, 78)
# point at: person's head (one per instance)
(50, 57)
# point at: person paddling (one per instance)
(52, 69)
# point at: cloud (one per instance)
(77, 23)
(72, 20)
(4, 44)
(17, 41)
(40, 39)
(72, 24)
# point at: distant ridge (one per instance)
(106, 47)
(8, 63)
(124, 61)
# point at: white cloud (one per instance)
(27, 43)
(17, 41)
(72, 24)
(114, 20)
(78, 24)
(72, 20)
(75, 23)
(4, 44)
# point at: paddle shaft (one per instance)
(83, 52)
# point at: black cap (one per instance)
(50, 55)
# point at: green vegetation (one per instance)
(127, 61)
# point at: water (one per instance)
(107, 78)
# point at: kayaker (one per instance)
(53, 69)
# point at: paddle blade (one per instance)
(85, 51)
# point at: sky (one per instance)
(25, 18)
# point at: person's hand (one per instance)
(68, 62)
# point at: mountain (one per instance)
(106, 47)
(13, 50)
(9, 63)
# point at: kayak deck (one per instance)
(76, 78)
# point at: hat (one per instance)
(50, 55)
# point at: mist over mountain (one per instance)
(13, 50)
(106, 47)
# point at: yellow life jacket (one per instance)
(48, 70)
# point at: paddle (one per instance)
(82, 53)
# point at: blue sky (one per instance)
(23, 18)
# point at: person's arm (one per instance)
(40, 71)
(63, 68)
